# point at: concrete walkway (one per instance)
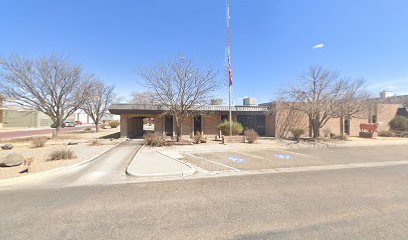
(151, 163)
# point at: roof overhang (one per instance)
(159, 109)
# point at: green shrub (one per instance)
(403, 134)
(38, 142)
(251, 135)
(399, 123)
(385, 133)
(297, 132)
(62, 154)
(114, 123)
(225, 128)
(154, 139)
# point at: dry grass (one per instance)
(154, 139)
(62, 154)
(38, 142)
(251, 135)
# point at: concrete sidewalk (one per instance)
(148, 162)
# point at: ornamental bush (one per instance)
(114, 123)
(251, 135)
(224, 127)
(399, 123)
(297, 132)
(154, 139)
(385, 133)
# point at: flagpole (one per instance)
(229, 66)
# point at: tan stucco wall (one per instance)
(385, 113)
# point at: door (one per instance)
(197, 123)
(168, 125)
(347, 126)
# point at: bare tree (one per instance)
(145, 97)
(354, 101)
(287, 117)
(316, 92)
(97, 103)
(49, 84)
(181, 87)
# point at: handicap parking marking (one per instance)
(250, 155)
(236, 159)
(217, 163)
(295, 153)
(282, 156)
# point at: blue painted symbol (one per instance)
(282, 156)
(236, 159)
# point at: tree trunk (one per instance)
(57, 131)
(96, 127)
(341, 126)
(316, 128)
(310, 127)
(179, 132)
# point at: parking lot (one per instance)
(245, 160)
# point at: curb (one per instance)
(5, 181)
(192, 170)
(37, 135)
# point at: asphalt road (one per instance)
(364, 203)
(34, 132)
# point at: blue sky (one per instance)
(272, 41)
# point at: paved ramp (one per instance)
(108, 168)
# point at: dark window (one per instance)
(168, 125)
(256, 122)
(347, 126)
(224, 118)
(197, 123)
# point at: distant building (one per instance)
(387, 94)
(13, 116)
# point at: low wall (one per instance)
(233, 139)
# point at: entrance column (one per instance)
(123, 125)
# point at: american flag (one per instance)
(230, 75)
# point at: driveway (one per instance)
(108, 168)
(10, 134)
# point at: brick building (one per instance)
(267, 119)
(135, 119)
